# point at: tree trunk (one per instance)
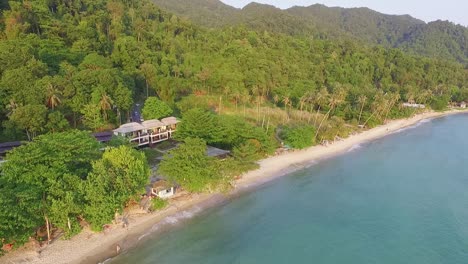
(268, 124)
(316, 116)
(220, 104)
(29, 136)
(321, 123)
(147, 89)
(74, 120)
(365, 123)
(388, 112)
(360, 114)
(48, 229)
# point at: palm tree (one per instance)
(105, 104)
(377, 106)
(53, 96)
(320, 99)
(276, 99)
(11, 106)
(286, 102)
(302, 102)
(394, 98)
(237, 95)
(336, 99)
(245, 97)
(362, 101)
(311, 100)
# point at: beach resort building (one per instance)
(414, 105)
(148, 132)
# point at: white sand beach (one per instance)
(89, 247)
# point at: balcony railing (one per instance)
(146, 139)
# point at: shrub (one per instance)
(157, 204)
(299, 137)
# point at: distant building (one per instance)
(163, 189)
(463, 105)
(148, 132)
(413, 105)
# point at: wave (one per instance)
(425, 121)
(172, 220)
(355, 147)
(422, 122)
(106, 261)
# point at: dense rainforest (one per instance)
(440, 39)
(83, 64)
(68, 66)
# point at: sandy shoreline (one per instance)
(89, 247)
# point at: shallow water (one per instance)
(401, 199)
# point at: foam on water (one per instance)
(172, 220)
(355, 147)
(422, 122)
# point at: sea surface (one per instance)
(399, 199)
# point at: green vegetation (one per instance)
(121, 174)
(151, 155)
(189, 166)
(59, 180)
(157, 204)
(88, 66)
(440, 39)
(299, 137)
(155, 109)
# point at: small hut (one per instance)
(163, 189)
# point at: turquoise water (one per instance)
(400, 199)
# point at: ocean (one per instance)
(399, 199)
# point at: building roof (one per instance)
(7, 146)
(170, 121)
(154, 123)
(103, 136)
(216, 152)
(162, 185)
(129, 127)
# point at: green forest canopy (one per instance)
(91, 60)
(440, 39)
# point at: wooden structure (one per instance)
(148, 132)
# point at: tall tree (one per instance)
(155, 109)
(119, 176)
(43, 178)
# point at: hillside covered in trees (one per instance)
(441, 39)
(82, 65)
